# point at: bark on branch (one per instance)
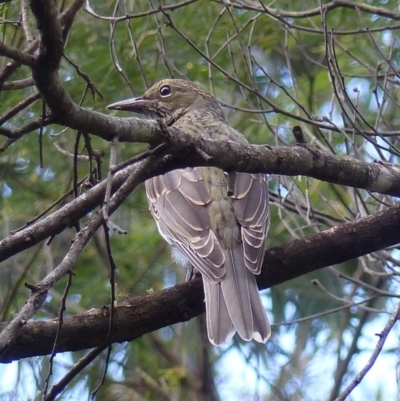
(138, 316)
(298, 160)
(141, 315)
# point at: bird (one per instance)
(216, 222)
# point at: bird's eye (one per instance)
(165, 90)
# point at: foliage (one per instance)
(332, 69)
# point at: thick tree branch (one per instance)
(299, 160)
(39, 291)
(229, 156)
(51, 38)
(138, 316)
(144, 314)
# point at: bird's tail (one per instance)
(234, 304)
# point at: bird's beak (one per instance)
(137, 105)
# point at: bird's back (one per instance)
(217, 220)
(232, 229)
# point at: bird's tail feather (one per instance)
(234, 304)
(219, 325)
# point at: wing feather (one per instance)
(252, 212)
(219, 324)
(177, 201)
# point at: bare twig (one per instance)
(72, 373)
(381, 342)
(39, 291)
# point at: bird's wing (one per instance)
(250, 204)
(252, 212)
(177, 201)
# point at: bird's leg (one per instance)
(191, 273)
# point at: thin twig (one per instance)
(63, 308)
(113, 268)
(73, 372)
(378, 348)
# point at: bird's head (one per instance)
(170, 99)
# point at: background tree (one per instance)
(331, 69)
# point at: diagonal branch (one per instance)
(229, 156)
(378, 348)
(138, 316)
(39, 292)
(278, 13)
(17, 55)
(299, 160)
